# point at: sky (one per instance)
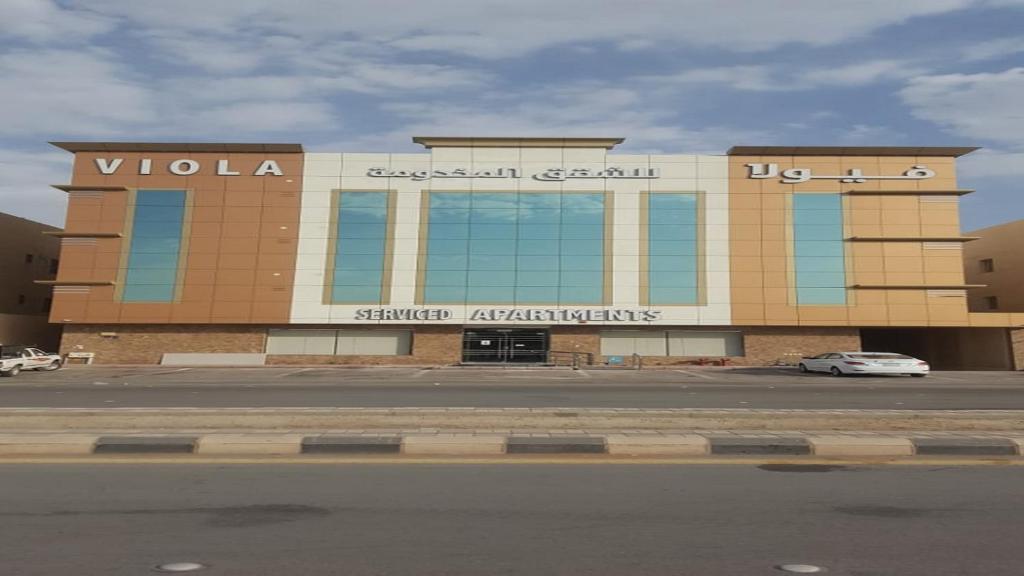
(671, 76)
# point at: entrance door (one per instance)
(505, 345)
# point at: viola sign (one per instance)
(855, 175)
(186, 167)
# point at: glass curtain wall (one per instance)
(818, 249)
(672, 249)
(359, 248)
(154, 251)
(515, 248)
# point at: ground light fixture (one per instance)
(180, 567)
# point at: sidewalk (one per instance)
(627, 432)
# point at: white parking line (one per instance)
(704, 376)
(299, 371)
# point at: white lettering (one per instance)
(224, 170)
(108, 167)
(145, 166)
(853, 175)
(184, 167)
(268, 167)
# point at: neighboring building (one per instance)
(28, 252)
(518, 249)
(996, 259)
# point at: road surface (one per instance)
(519, 519)
(315, 387)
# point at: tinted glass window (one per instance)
(155, 246)
(507, 248)
(818, 249)
(360, 242)
(672, 269)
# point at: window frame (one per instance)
(388, 256)
(794, 258)
(700, 259)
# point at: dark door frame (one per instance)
(505, 345)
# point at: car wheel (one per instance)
(835, 371)
(12, 372)
(55, 365)
(918, 375)
(803, 368)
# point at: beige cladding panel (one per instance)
(239, 245)
(878, 208)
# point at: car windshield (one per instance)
(881, 356)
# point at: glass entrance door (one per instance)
(505, 345)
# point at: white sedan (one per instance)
(842, 363)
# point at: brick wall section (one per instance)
(145, 344)
(1017, 340)
(766, 345)
(575, 339)
(763, 345)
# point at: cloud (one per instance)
(260, 117)
(576, 110)
(985, 106)
(44, 21)
(25, 190)
(494, 29)
(68, 92)
(992, 49)
(991, 163)
(859, 73)
(778, 78)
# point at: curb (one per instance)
(145, 445)
(556, 445)
(489, 444)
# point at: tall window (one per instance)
(819, 249)
(154, 252)
(672, 249)
(987, 265)
(358, 271)
(515, 248)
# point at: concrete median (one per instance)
(418, 443)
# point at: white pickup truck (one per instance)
(14, 359)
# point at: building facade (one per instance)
(516, 250)
(995, 259)
(29, 252)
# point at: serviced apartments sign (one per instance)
(512, 314)
(550, 174)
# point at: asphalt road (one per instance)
(314, 387)
(468, 519)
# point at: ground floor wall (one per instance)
(1017, 342)
(431, 344)
(146, 344)
(29, 330)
